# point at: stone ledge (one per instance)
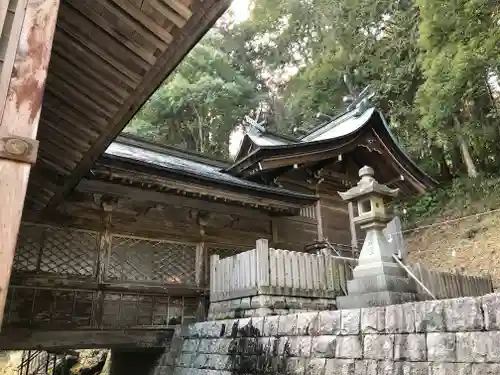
(266, 305)
(455, 315)
(459, 336)
(321, 366)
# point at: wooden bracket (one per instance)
(24, 150)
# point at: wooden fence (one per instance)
(264, 270)
(445, 285)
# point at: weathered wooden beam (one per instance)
(50, 340)
(21, 113)
(144, 20)
(167, 11)
(352, 227)
(319, 220)
(200, 260)
(103, 255)
(144, 195)
(27, 280)
(205, 13)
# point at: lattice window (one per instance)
(56, 250)
(69, 252)
(49, 308)
(135, 259)
(128, 310)
(29, 244)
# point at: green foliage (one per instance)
(459, 198)
(202, 103)
(430, 63)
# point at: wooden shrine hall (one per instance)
(106, 238)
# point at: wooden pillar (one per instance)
(25, 64)
(352, 225)
(105, 240)
(103, 255)
(319, 220)
(201, 265)
(200, 262)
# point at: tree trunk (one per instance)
(439, 156)
(457, 164)
(464, 149)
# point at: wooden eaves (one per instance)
(372, 144)
(108, 57)
(170, 176)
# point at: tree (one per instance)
(459, 43)
(202, 103)
(431, 64)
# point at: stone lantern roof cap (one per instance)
(368, 186)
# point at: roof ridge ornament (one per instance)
(359, 101)
(255, 127)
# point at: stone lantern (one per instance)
(377, 279)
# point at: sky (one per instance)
(240, 9)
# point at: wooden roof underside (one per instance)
(108, 57)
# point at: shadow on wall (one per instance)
(250, 352)
(133, 362)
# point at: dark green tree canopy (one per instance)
(434, 66)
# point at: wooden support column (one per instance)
(25, 64)
(201, 265)
(317, 208)
(105, 240)
(352, 225)
(319, 220)
(103, 255)
(200, 261)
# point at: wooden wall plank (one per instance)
(145, 21)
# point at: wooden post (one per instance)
(214, 278)
(105, 240)
(352, 226)
(319, 220)
(19, 115)
(103, 255)
(200, 261)
(262, 260)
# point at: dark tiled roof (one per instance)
(191, 168)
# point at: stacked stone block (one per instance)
(459, 336)
(265, 305)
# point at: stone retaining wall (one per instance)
(459, 336)
(265, 305)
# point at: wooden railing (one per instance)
(38, 362)
(445, 285)
(264, 270)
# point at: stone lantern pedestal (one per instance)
(377, 280)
